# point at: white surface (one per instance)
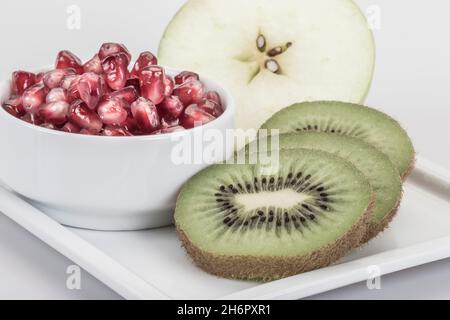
(116, 177)
(158, 268)
(411, 83)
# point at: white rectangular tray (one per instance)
(152, 265)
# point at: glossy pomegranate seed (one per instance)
(66, 60)
(14, 106)
(110, 48)
(57, 94)
(193, 116)
(40, 77)
(54, 112)
(167, 123)
(145, 113)
(115, 68)
(32, 118)
(170, 130)
(113, 111)
(144, 60)
(89, 132)
(190, 92)
(131, 125)
(70, 127)
(134, 82)
(69, 80)
(169, 86)
(94, 65)
(186, 76)
(33, 97)
(21, 80)
(115, 131)
(214, 96)
(54, 78)
(129, 94)
(50, 126)
(90, 87)
(152, 84)
(171, 108)
(211, 107)
(83, 117)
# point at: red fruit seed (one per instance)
(145, 113)
(90, 87)
(54, 112)
(57, 94)
(94, 65)
(54, 78)
(67, 59)
(21, 80)
(214, 96)
(83, 117)
(211, 107)
(129, 94)
(186, 76)
(144, 60)
(115, 131)
(152, 84)
(115, 68)
(14, 106)
(108, 49)
(169, 85)
(33, 97)
(113, 111)
(193, 116)
(190, 92)
(171, 108)
(70, 127)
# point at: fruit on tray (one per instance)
(375, 165)
(240, 221)
(367, 124)
(105, 97)
(271, 54)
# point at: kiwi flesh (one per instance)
(375, 165)
(367, 124)
(249, 222)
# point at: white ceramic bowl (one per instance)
(95, 182)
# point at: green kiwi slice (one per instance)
(375, 165)
(370, 125)
(261, 222)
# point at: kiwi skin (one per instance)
(274, 268)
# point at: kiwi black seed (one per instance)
(272, 232)
(367, 124)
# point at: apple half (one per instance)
(271, 54)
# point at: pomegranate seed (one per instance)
(69, 80)
(171, 107)
(40, 77)
(54, 78)
(83, 117)
(211, 107)
(145, 59)
(167, 123)
(57, 94)
(114, 131)
(70, 127)
(90, 88)
(129, 94)
(113, 111)
(190, 92)
(186, 76)
(54, 112)
(134, 82)
(152, 84)
(145, 113)
(21, 80)
(89, 132)
(169, 86)
(109, 49)
(116, 70)
(193, 116)
(14, 106)
(214, 96)
(33, 97)
(67, 59)
(32, 118)
(94, 65)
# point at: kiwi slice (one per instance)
(370, 125)
(375, 165)
(249, 222)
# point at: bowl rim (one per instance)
(228, 112)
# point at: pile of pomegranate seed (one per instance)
(103, 97)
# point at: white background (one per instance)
(412, 83)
